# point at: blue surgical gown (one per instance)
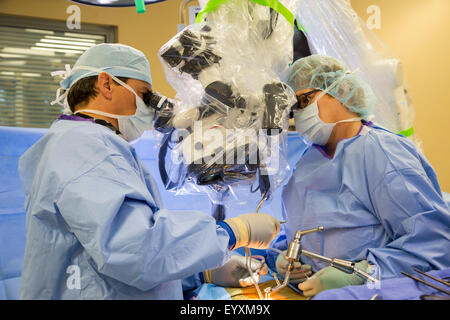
(95, 228)
(378, 199)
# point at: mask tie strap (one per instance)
(114, 78)
(61, 98)
(63, 74)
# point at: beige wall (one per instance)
(418, 31)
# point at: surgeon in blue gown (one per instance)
(95, 226)
(373, 191)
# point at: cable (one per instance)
(248, 253)
(248, 258)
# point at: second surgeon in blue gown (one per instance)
(376, 195)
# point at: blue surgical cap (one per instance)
(320, 72)
(116, 59)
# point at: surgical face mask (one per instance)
(133, 126)
(309, 124)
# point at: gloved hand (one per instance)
(299, 272)
(331, 278)
(234, 273)
(254, 230)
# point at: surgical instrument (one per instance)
(264, 198)
(433, 297)
(248, 257)
(340, 264)
(291, 256)
(430, 276)
(426, 283)
(294, 251)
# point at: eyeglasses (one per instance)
(304, 98)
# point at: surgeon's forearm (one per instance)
(182, 243)
(177, 245)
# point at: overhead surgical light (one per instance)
(140, 4)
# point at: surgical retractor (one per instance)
(292, 254)
(340, 264)
(294, 251)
